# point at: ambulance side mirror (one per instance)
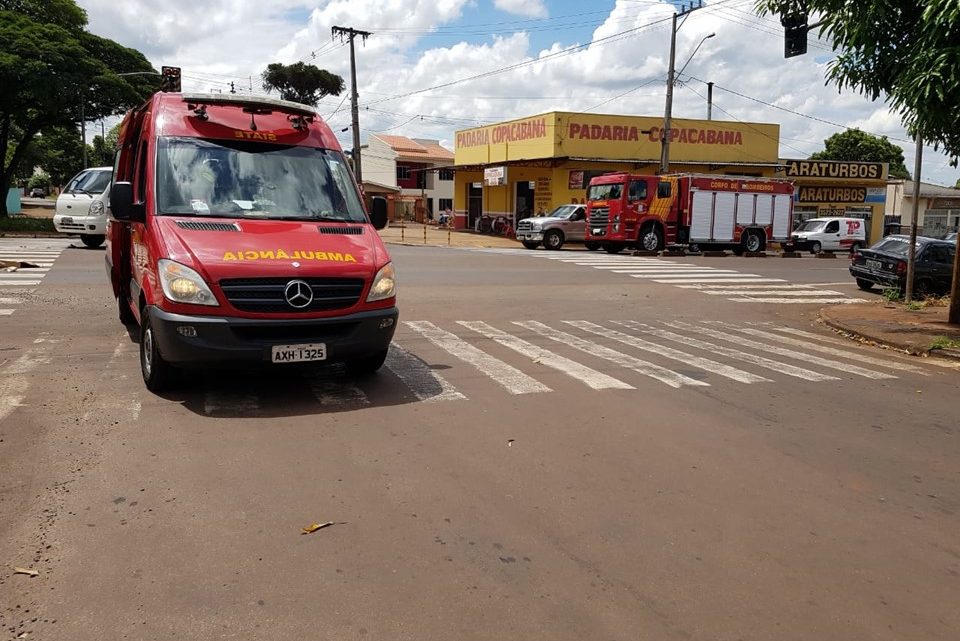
(121, 203)
(379, 214)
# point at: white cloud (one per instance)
(219, 40)
(530, 8)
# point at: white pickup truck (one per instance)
(566, 223)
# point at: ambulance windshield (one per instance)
(241, 179)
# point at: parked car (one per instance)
(951, 237)
(566, 223)
(829, 234)
(82, 207)
(885, 264)
(37, 192)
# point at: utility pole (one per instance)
(232, 88)
(351, 33)
(671, 73)
(709, 101)
(912, 249)
(83, 129)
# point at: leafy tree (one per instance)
(904, 49)
(301, 82)
(50, 66)
(854, 144)
(60, 153)
(40, 180)
(102, 150)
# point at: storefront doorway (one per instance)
(524, 201)
(474, 204)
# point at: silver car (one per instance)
(566, 223)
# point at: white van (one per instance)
(829, 235)
(82, 207)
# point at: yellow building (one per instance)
(526, 166)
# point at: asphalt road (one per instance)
(556, 451)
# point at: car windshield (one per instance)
(94, 182)
(605, 192)
(563, 211)
(893, 245)
(812, 225)
(241, 179)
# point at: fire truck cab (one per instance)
(238, 235)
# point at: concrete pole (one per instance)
(912, 249)
(709, 101)
(355, 113)
(668, 109)
(83, 130)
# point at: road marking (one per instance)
(780, 351)
(674, 281)
(590, 377)
(706, 287)
(795, 301)
(229, 402)
(767, 363)
(426, 385)
(5, 312)
(509, 377)
(662, 374)
(775, 292)
(705, 275)
(823, 349)
(15, 381)
(331, 391)
(688, 359)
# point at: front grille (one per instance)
(599, 216)
(341, 230)
(294, 332)
(266, 295)
(197, 225)
(525, 225)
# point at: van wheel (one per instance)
(124, 311)
(753, 241)
(865, 285)
(529, 244)
(592, 246)
(816, 247)
(612, 248)
(367, 365)
(854, 247)
(92, 241)
(157, 373)
(651, 238)
(553, 239)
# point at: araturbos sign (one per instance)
(835, 169)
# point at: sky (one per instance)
(432, 67)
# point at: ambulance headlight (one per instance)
(384, 284)
(183, 285)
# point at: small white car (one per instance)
(829, 235)
(82, 207)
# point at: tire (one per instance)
(92, 241)
(530, 244)
(592, 246)
(854, 247)
(157, 373)
(865, 285)
(753, 241)
(694, 248)
(650, 238)
(738, 250)
(125, 313)
(553, 240)
(816, 247)
(612, 248)
(368, 365)
(923, 288)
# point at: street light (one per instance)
(671, 78)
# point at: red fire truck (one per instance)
(715, 212)
(238, 235)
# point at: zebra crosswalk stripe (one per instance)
(426, 385)
(744, 279)
(509, 377)
(799, 301)
(590, 377)
(823, 349)
(662, 374)
(780, 351)
(777, 292)
(746, 357)
(333, 392)
(689, 359)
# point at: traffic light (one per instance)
(794, 35)
(170, 79)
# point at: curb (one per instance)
(32, 234)
(947, 354)
(444, 246)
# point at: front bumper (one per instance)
(222, 340)
(92, 225)
(536, 236)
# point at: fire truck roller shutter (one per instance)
(782, 215)
(724, 210)
(700, 215)
(764, 209)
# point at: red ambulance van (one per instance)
(238, 235)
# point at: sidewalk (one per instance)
(921, 332)
(413, 234)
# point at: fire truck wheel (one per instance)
(553, 239)
(592, 246)
(157, 373)
(651, 238)
(753, 241)
(367, 365)
(529, 244)
(612, 248)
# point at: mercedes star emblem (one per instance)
(298, 294)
